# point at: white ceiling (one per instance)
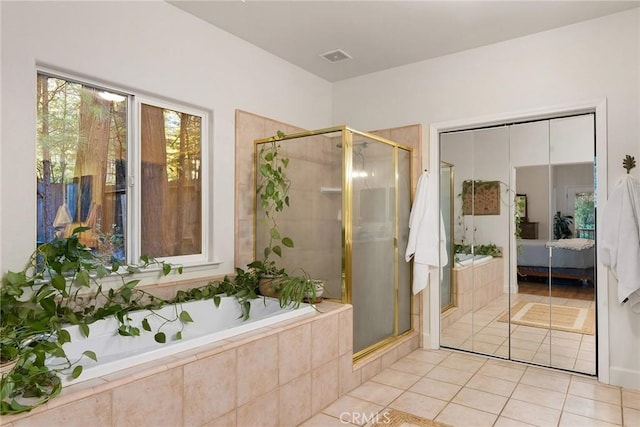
(385, 34)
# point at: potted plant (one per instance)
(562, 226)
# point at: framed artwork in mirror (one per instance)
(521, 206)
(480, 197)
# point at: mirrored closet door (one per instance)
(517, 201)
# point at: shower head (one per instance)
(357, 148)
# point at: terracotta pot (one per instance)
(6, 367)
(268, 286)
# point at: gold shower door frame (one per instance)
(347, 218)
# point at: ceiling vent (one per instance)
(337, 55)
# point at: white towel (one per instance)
(426, 239)
(619, 246)
(573, 244)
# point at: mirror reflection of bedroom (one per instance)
(517, 201)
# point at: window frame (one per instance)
(135, 187)
(134, 100)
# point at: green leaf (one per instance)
(59, 283)
(160, 337)
(84, 329)
(17, 278)
(285, 162)
(180, 270)
(145, 325)
(287, 242)
(216, 300)
(82, 278)
(274, 233)
(185, 317)
(179, 335)
(49, 305)
(63, 336)
(166, 269)
(277, 250)
(76, 371)
(91, 355)
(269, 157)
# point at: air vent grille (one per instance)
(337, 55)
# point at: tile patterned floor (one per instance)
(468, 390)
(481, 332)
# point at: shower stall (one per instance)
(348, 216)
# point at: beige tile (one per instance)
(396, 378)
(508, 422)
(389, 358)
(449, 375)
(541, 396)
(428, 356)
(573, 420)
(345, 326)
(377, 393)
(262, 411)
(593, 409)
(325, 342)
(324, 385)
(630, 398)
(324, 420)
(349, 379)
(295, 401)
(631, 417)
(294, 353)
(351, 409)
(145, 402)
(491, 385)
(481, 400)
(254, 376)
(530, 413)
(463, 362)
(412, 366)
(226, 420)
(370, 369)
(434, 388)
(209, 396)
(501, 372)
(93, 410)
(595, 391)
(457, 415)
(554, 382)
(418, 404)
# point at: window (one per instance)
(585, 221)
(136, 184)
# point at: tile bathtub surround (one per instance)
(238, 380)
(463, 389)
(225, 383)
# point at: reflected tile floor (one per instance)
(481, 332)
(469, 390)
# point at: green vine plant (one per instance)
(273, 194)
(60, 286)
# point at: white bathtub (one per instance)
(210, 324)
(466, 259)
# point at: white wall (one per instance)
(151, 47)
(593, 60)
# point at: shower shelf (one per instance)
(329, 190)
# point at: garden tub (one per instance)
(210, 324)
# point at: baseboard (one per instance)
(624, 378)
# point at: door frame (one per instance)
(431, 296)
